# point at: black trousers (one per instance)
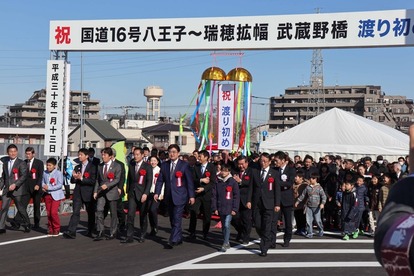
(286, 211)
(25, 199)
(263, 219)
(75, 218)
(133, 204)
(203, 204)
(242, 222)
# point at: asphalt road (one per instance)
(35, 254)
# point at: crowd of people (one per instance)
(266, 192)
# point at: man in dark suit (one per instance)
(138, 188)
(13, 184)
(84, 176)
(106, 192)
(34, 177)
(92, 158)
(285, 177)
(243, 220)
(265, 202)
(204, 180)
(179, 190)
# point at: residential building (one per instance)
(32, 112)
(369, 101)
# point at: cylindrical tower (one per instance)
(153, 94)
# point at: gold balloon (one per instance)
(214, 73)
(239, 74)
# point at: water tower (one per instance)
(153, 94)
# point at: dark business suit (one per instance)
(243, 220)
(83, 194)
(203, 199)
(265, 197)
(175, 196)
(285, 178)
(119, 204)
(18, 194)
(108, 196)
(139, 183)
(34, 177)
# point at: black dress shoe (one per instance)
(26, 228)
(14, 225)
(89, 234)
(99, 237)
(191, 236)
(205, 236)
(141, 239)
(2, 231)
(263, 254)
(273, 246)
(153, 232)
(69, 235)
(127, 240)
(36, 226)
(285, 244)
(110, 237)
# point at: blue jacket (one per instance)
(219, 200)
(55, 188)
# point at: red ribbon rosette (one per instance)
(86, 175)
(33, 171)
(207, 174)
(155, 177)
(271, 181)
(142, 173)
(111, 176)
(52, 181)
(16, 173)
(178, 175)
(229, 189)
(246, 177)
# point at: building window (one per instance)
(183, 140)
(381, 118)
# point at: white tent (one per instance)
(341, 133)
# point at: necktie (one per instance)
(262, 176)
(83, 168)
(10, 166)
(136, 167)
(241, 175)
(203, 169)
(105, 169)
(172, 170)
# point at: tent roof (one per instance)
(340, 132)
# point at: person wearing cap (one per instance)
(381, 167)
(395, 231)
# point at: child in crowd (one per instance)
(225, 202)
(338, 201)
(298, 187)
(349, 211)
(52, 187)
(315, 203)
(385, 189)
(374, 200)
(361, 191)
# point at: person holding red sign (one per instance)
(205, 178)
(52, 187)
(265, 202)
(179, 190)
(138, 188)
(225, 202)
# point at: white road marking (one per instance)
(304, 251)
(35, 238)
(278, 265)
